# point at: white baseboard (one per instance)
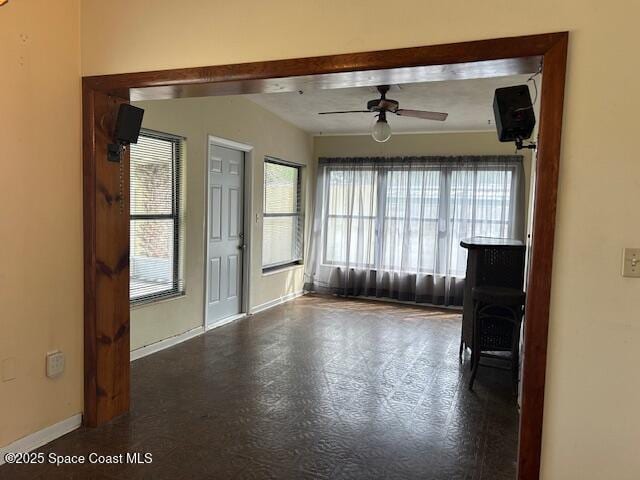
(48, 434)
(171, 341)
(42, 437)
(272, 303)
(166, 343)
(225, 321)
(183, 337)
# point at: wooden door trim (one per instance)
(107, 328)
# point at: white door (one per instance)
(224, 233)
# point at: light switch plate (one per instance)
(55, 364)
(631, 262)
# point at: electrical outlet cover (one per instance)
(55, 364)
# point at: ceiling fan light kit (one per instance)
(381, 131)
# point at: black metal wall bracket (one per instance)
(114, 152)
(520, 145)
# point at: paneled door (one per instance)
(225, 237)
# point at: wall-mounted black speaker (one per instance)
(128, 124)
(514, 114)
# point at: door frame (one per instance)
(106, 222)
(247, 196)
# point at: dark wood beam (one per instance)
(106, 264)
(325, 81)
(536, 325)
(403, 58)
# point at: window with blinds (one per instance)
(282, 218)
(156, 232)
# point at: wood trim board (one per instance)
(106, 228)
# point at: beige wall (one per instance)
(592, 422)
(463, 143)
(40, 213)
(232, 118)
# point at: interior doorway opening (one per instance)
(102, 94)
(228, 231)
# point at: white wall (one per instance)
(233, 118)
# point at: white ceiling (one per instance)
(468, 102)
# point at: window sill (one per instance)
(284, 268)
(155, 301)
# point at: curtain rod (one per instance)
(434, 159)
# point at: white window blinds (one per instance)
(156, 233)
(282, 224)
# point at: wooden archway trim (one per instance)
(106, 218)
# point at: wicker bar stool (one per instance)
(496, 262)
(497, 318)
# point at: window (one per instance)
(156, 232)
(410, 221)
(411, 218)
(351, 216)
(282, 223)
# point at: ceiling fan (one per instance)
(381, 131)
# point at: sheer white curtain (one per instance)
(391, 227)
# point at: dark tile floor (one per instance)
(316, 388)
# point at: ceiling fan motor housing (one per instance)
(384, 105)
(380, 104)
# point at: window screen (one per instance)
(156, 232)
(282, 224)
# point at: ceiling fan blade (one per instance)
(344, 111)
(441, 117)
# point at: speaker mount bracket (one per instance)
(520, 145)
(114, 152)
